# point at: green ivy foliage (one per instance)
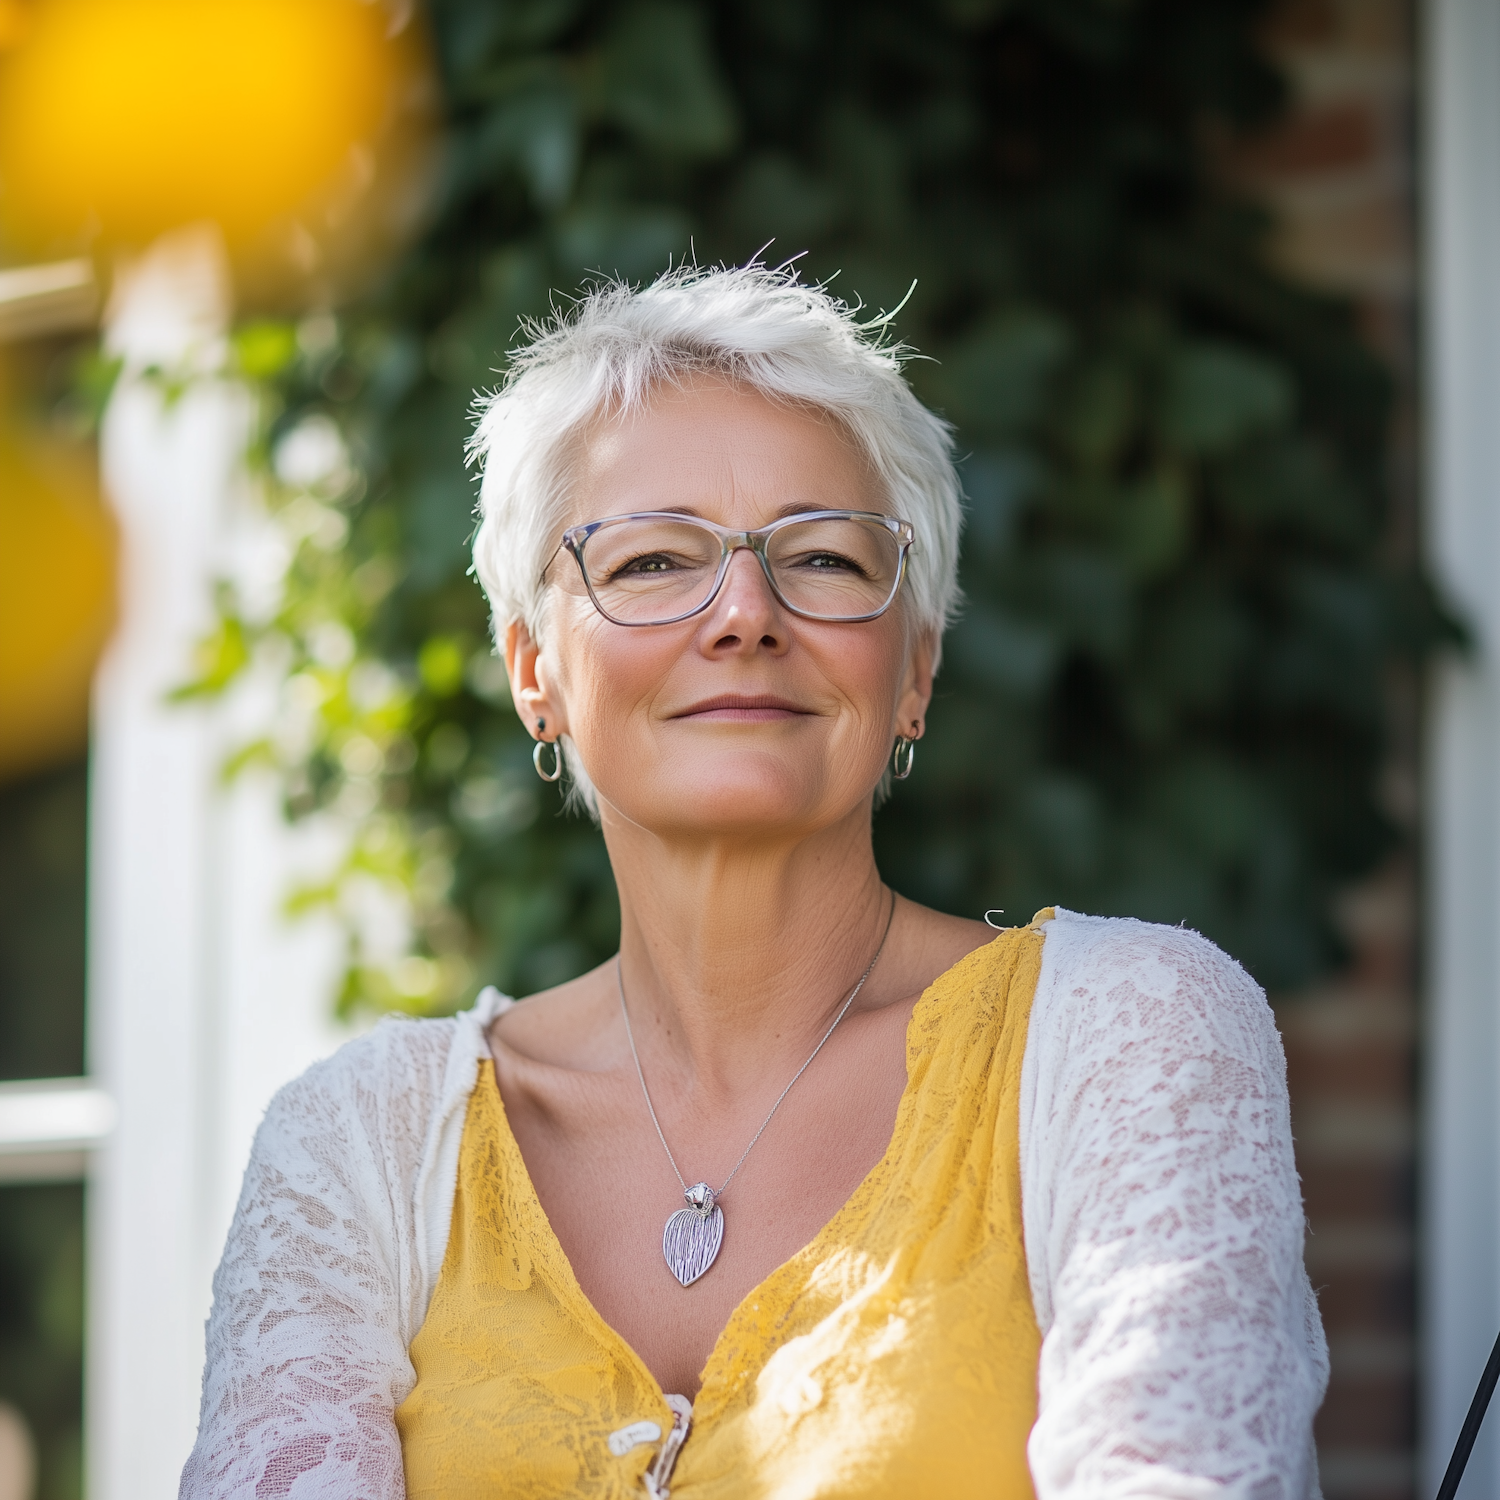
(1165, 695)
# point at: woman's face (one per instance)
(745, 717)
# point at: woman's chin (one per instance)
(737, 801)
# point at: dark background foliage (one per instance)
(1165, 696)
(42, 848)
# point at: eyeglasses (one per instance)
(658, 567)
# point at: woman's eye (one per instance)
(648, 562)
(831, 560)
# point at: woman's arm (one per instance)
(307, 1341)
(1182, 1353)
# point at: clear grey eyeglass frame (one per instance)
(576, 538)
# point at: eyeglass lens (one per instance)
(647, 571)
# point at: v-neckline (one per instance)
(711, 1378)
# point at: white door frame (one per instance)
(1460, 1156)
(202, 998)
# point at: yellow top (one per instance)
(894, 1355)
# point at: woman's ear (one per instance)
(542, 715)
(916, 689)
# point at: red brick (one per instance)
(1368, 1414)
(1341, 27)
(1336, 138)
(1361, 1071)
(1302, 23)
(1373, 1300)
(1358, 1192)
(1335, 176)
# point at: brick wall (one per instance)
(1338, 175)
(1350, 1060)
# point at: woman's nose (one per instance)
(746, 612)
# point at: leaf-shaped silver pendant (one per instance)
(693, 1235)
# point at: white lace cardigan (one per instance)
(1182, 1353)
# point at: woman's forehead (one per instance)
(700, 446)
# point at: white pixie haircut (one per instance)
(755, 325)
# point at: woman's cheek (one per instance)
(610, 694)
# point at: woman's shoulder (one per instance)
(400, 1070)
(1133, 944)
(1117, 973)
(398, 1052)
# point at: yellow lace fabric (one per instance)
(894, 1355)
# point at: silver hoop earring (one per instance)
(536, 758)
(905, 757)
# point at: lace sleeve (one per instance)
(307, 1341)
(1182, 1352)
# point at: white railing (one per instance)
(48, 1127)
(50, 298)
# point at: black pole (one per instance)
(1470, 1430)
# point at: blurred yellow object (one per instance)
(127, 118)
(13, 19)
(57, 601)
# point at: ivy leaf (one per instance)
(621, 239)
(262, 350)
(1084, 593)
(1217, 396)
(1216, 809)
(1003, 651)
(775, 198)
(218, 657)
(1099, 418)
(1065, 817)
(441, 663)
(998, 486)
(1292, 486)
(1150, 524)
(996, 380)
(473, 38)
(536, 128)
(662, 83)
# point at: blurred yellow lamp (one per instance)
(57, 601)
(125, 118)
(281, 121)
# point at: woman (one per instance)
(812, 1191)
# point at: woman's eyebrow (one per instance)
(781, 513)
(793, 508)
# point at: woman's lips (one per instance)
(732, 709)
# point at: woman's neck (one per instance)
(737, 957)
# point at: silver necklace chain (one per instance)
(639, 1073)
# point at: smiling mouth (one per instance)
(736, 709)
